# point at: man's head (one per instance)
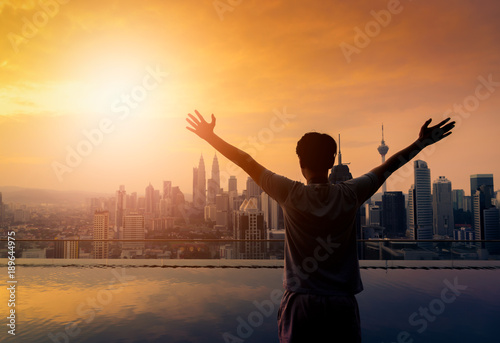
(316, 152)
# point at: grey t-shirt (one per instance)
(320, 236)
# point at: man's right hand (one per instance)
(430, 135)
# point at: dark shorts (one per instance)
(318, 318)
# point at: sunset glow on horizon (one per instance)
(94, 94)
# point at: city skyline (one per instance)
(241, 183)
(95, 96)
(245, 180)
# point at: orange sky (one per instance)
(134, 69)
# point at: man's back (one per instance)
(320, 251)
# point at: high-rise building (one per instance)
(150, 199)
(210, 213)
(133, 229)
(67, 248)
(485, 182)
(477, 180)
(199, 185)
(222, 211)
(232, 184)
(178, 202)
(156, 202)
(373, 214)
(101, 231)
(167, 189)
(213, 184)
(249, 225)
(132, 202)
(464, 234)
(491, 229)
(394, 214)
(486, 217)
(458, 197)
(212, 189)
(166, 207)
(273, 213)
(442, 207)
(468, 203)
(420, 204)
(195, 185)
(383, 149)
(253, 189)
(120, 205)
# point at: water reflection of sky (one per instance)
(201, 304)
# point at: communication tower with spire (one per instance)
(340, 172)
(383, 149)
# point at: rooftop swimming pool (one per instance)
(236, 301)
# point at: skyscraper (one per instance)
(420, 204)
(232, 184)
(167, 189)
(132, 202)
(216, 174)
(253, 191)
(150, 199)
(222, 212)
(486, 217)
(133, 229)
(178, 202)
(383, 149)
(212, 191)
(273, 213)
(199, 185)
(100, 231)
(120, 205)
(214, 188)
(491, 229)
(250, 226)
(195, 185)
(458, 196)
(393, 214)
(442, 206)
(476, 182)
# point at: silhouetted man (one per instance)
(321, 264)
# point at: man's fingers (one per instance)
(193, 118)
(191, 129)
(447, 134)
(449, 126)
(191, 122)
(443, 122)
(199, 116)
(213, 120)
(426, 124)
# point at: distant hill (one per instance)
(33, 196)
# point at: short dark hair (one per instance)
(316, 151)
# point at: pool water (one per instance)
(154, 304)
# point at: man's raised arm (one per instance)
(206, 131)
(428, 136)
